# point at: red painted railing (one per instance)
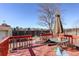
(22, 36)
(72, 38)
(4, 46)
(47, 34)
(13, 42)
(45, 37)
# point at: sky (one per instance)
(26, 14)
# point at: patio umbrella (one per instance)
(58, 28)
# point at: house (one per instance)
(5, 30)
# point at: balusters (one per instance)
(28, 42)
(10, 47)
(13, 44)
(19, 40)
(16, 43)
(70, 41)
(20, 43)
(24, 43)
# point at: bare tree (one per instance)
(47, 13)
(76, 23)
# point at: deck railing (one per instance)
(72, 39)
(11, 43)
(4, 46)
(15, 42)
(44, 37)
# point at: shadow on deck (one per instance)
(31, 51)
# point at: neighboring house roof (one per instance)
(4, 26)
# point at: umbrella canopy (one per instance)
(58, 28)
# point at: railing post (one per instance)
(4, 45)
(71, 40)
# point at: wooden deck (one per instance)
(37, 50)
(41, 50)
